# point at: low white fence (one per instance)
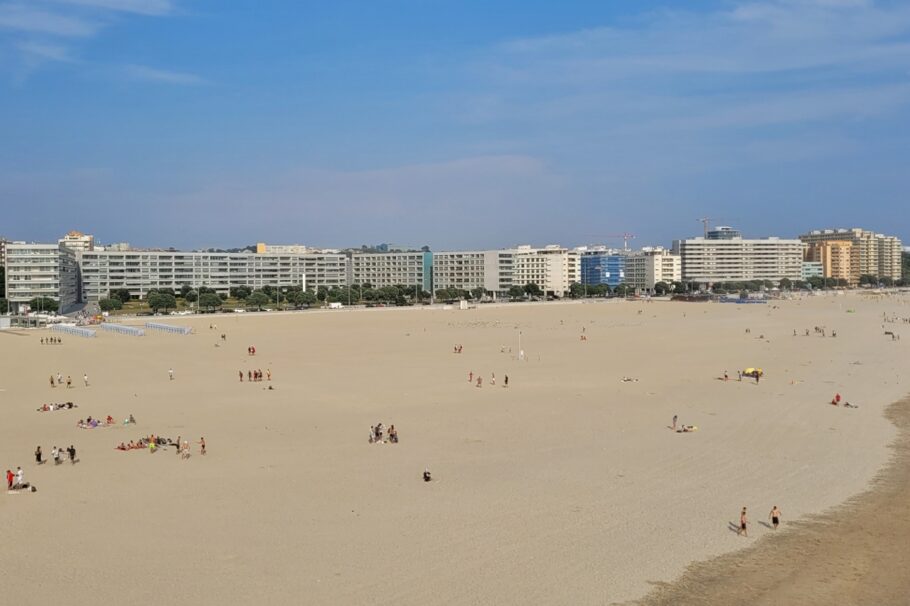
(73, 330)
(123, 330)
(177, 330)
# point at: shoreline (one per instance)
(854, 553)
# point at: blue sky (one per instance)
(457, 124)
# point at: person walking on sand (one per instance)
(743, 524)
(268, 373)
(775, 516)
(85, 379)
(69, 381)
(470, 376)
(675, 418)
(178, 444)
(479, 381)
(39, 457)
(240, 372)
(202, 446)
(72, 452)
(505, 382)
(726, 376)
(170, 373)
(493, 379)
(52, 381)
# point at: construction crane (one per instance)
(704, 221)
(625, 237)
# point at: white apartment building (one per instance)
(283, 249)
(488, 269)
(41, 270)
(652, 265)
(143, 271)
(553, 268)
(707, 260)
(3, 243)
(77, 241)
(393, 269)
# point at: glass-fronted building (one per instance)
(603, 268)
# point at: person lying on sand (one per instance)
(629, 380)
(849, 405)
(686, 428)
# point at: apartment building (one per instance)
(393, 269)
(646, 268)
(553, 268)
(812, 269)
(41, 270)
(602, 265)
(491, 270)
(77, 241)
(143, 271)
(836, 259)
(281, 249)
(870, 253)
(737, 259)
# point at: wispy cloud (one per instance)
(751, 64)
(139, 7)
(28, 19)
(151, 74)
(46, 31)
(46, 52)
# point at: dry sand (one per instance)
(567, 487)
(856, 554)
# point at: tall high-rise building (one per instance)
(869, 253)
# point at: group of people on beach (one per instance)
(153, 443)
(57, 406)
(58, 380)
(478, 380)
(819, 330)
(51, 341)
(774, 516)
(56, 454)
(378, 431)
(255, 375)
(457, 349)
(90, 423)
(16, 481)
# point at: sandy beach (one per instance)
(566, 487)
